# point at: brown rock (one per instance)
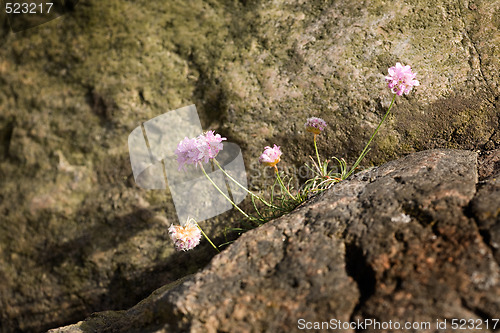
(393, 243)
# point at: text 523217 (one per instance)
(28, 7)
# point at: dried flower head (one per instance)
(270, 156)
(315, 125)
(185, 237)
(401, 79)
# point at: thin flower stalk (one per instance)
(400, 80)
(283, 185)
(207, 238)
(315, 126)
(316, 149)
(365, 150)
(243, 187)
(224, 195)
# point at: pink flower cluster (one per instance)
(270, 156)
(203, 148)
(315, 125)
(185, 237)
(401, 79)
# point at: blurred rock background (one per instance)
(77, 235)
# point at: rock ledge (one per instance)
(415, 239)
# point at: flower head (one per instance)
(185, 237)
(187, 152)
(315, 125)
(209, 145)
(401, 79)
(203, 148)
(270, 156)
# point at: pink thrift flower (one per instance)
(315, 125)
(201, 149)
(187, 152)
(270, 156)
(401, 79)
(185, 237)
(209, 145)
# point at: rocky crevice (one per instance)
(6, 131)
(362, 273)
(483, 209)
(471, 44)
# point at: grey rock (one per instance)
(346, 254)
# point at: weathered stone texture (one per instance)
(397, 242)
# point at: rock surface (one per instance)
(400, 242)
(77, 236)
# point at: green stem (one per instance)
(365, 150)
(317, 155)
(225, 196)
(281, 183)
(208, 239)
(258, 213)
(243, 187)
